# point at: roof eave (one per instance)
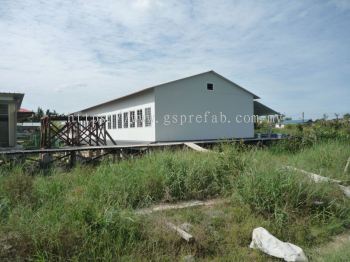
(17, 97)
(152, 87)
(226, 79)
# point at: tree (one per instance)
(39, 113)
(346, 116)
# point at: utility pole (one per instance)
(302, 117)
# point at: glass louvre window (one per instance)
(132, 118)
(109, 124)
(120, 121)
(148, 116)
(126, 120)
(4, 126)
(114, 122)
(139, 118)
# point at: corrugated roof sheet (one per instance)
(149, 88)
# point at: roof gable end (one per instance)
(233, 83)
(166, 83)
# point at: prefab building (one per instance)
(206, 106)
(9, 106)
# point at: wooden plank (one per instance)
(84, 148)
(347, 166)
(181, 205)
(316, 178)
(346, 190)
(110, 137)
(120, 146)
(196, 147)
(182, 233)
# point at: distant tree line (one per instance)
(40, 113)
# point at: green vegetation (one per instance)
(87, 213)
(340, 254)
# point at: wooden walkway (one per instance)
(128, 146)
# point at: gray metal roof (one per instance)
(149, 88)
(262, 110)
(17, 97)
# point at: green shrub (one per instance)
(189, 178)
(18, 188)
(115, 231)
(292, 144)
(234, 158)
(87, 213)
(168, 176)
(284, 195)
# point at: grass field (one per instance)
(88, 213)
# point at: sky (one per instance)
(68, 55)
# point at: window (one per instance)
(132, 118)
(148, 116)
(114, 122)
(109, 124)
(126, 120)
(139, 118)
(210, 86)
(120, 121)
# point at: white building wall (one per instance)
(191, 97)
(131, 103)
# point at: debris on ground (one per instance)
(267, 243)
(196, 147)
(182, 233)
(180, 205)
(318, 179)
(186, 227)
(188, 258)
(347, 166)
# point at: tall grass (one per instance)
(325, 158)
(285, 196)
(340, 253)
(87, 213)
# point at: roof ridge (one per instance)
(165, 83)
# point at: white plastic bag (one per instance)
(267, 243)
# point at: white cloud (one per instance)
(341, 4)
(88, 51)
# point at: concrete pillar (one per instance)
(12, 122)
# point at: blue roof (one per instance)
(295, 122)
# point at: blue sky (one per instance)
(67, 55)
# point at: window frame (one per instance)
(148, 117)
(210, 86)
(114, 121)
(132, 119)
(109, 122)
(120, 120)
(126, 119)
(139, 115)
